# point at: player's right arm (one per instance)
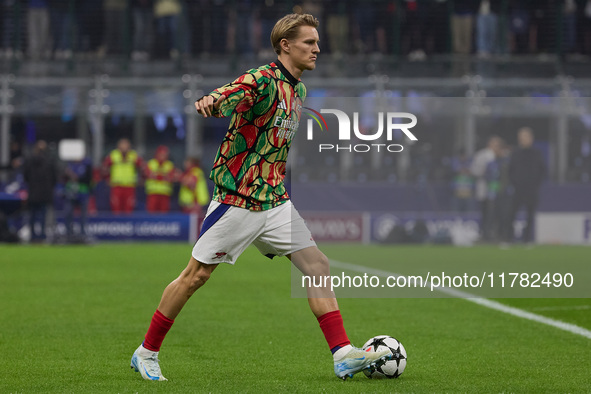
(208, 105)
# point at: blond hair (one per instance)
(287, 27)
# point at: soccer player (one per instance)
(250, 201)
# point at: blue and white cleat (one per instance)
(358, 359)
(145, 362)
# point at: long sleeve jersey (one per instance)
(265, 105)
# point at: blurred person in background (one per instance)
(337, 26)
(413, 30)
(498, 204)
(462, 24)
(487, 27)
(122, 166)
(584, 23)
(38, 28)
(167, 14)
(364, 26)
(478, 168)
(89, 28)
(436, 26)
(543, 27)
(199, 31)
(62, 24)
(386, 31)
(463, 182)
(160, 173)
(569, 26)
(16, 155)
(12, 183)
(10, 12)
(527, 170)
(143, 19)
(78, 176)
(243, 15)
(115, 12)
(267, 12)
(193, 194)
(520, 18)
(40, 174)
(583, 159)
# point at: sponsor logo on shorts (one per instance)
(219, 255)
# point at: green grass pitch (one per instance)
(71, 317)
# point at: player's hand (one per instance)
(207, 104)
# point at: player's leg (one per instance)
(213, 247)
(178, 292)
(348, 359)
(285, 234)
(313, 263)
(174, 297)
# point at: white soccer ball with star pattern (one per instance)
(392, 368)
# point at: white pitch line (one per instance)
(574, 329)
(561, 308)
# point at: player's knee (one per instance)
(323, 260)
(195, 275)
(199, 277)
(319, 265)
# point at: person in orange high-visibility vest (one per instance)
(193, 193)
(122, 166)
(160, 174)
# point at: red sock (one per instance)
(331, 324)
(158, 328)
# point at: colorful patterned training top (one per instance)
(249, 168)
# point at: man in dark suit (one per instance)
(40, 175)
(527, 170)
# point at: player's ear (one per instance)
(284, 44)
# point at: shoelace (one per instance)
(153, 367)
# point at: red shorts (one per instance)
(157, 203)
(122, 199)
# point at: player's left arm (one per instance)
(237, 96)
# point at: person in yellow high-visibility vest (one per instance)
(193, 193)
(122, 166)
(160, 174)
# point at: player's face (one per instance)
(303, 50)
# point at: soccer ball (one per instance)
(391, 368)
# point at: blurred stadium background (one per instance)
(100, 71)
